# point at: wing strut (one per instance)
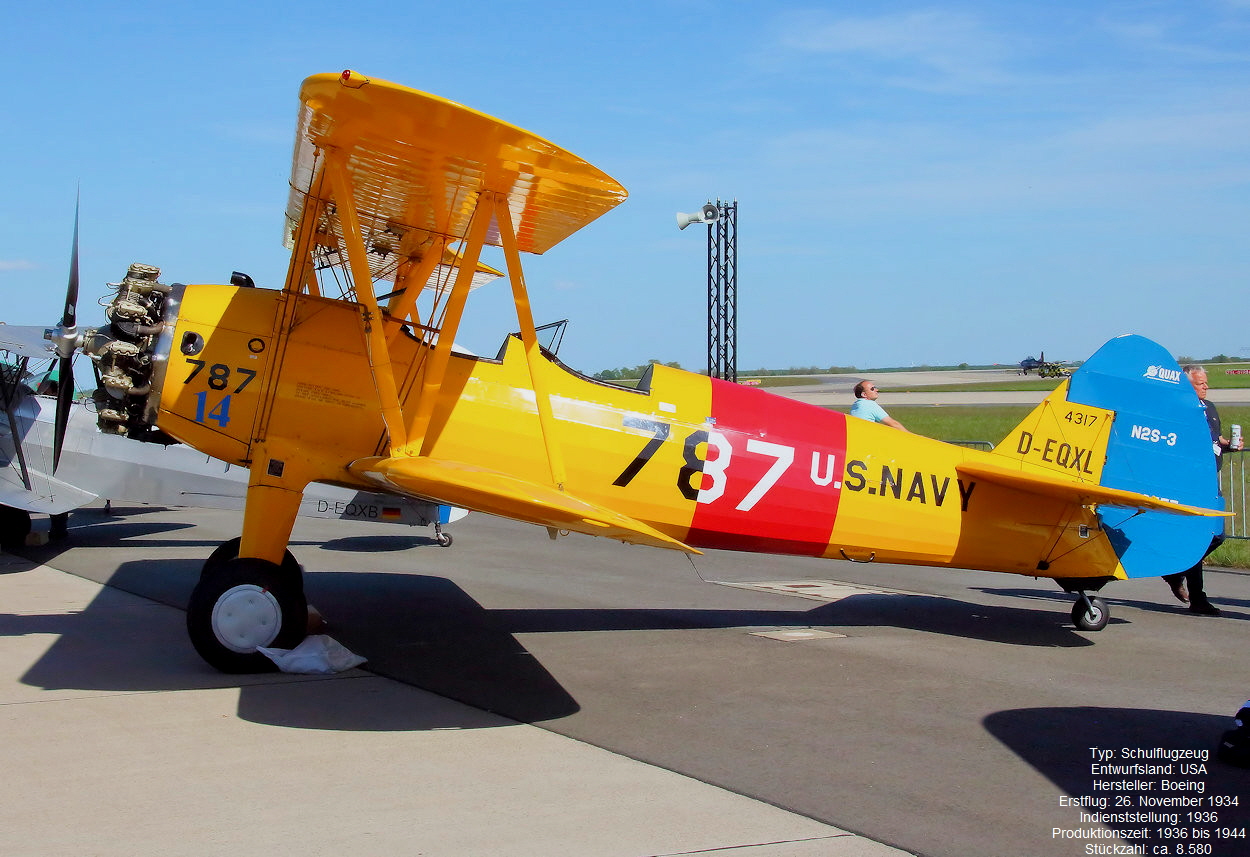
(301, 274)
(529, 337)
(410, 279)
(375, 334)
(10, 400)
(436, 368)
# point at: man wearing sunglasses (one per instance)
(866, 407)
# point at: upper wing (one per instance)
(417, 164)
(25, 341)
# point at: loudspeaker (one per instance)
(708, 214)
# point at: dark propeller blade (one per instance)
(65, 367)
(64, 400)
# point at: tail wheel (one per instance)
(1090, 614)
(240, 604)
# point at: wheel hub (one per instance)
(245, 617)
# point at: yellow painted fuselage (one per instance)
(280, 381)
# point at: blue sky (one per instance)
(917, 183)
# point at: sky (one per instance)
(917, 183)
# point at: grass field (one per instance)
(992, 423)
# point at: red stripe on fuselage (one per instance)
(772, 476)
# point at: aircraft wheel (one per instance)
(444, 539)
(227, 551)
(14, 527)
(1093, 618)
(241, 604)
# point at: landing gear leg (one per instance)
(1090, 613)
(251, 590)
(444, 539)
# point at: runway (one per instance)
(941, 712)
(898, 389)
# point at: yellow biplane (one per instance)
(349, 375)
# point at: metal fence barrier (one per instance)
(1233, 484)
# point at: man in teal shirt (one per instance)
(866, 407)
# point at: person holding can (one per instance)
(1187, 585)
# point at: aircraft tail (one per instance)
(1128, 433)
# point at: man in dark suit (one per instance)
(1187, 585)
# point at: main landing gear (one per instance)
(242, 603)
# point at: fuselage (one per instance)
(709, 463)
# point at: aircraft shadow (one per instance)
(1151, 606)
(376, 544)
(429, 633)
(121, 644)
(1058, 742)
(930, 614)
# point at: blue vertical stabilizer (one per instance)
(1159, 446)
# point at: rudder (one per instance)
(1159, 445)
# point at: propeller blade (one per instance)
(65, 367)
(69, 317)
(64, 400)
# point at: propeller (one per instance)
(65, 338)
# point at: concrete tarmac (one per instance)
(943, 713)
(609, 700)
(119, 741)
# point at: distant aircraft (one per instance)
(348, 375)
(1031, 362)
(95, 465)
(1045, 368)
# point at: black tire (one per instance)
(14, 528)
(241, 604)
(1094, 618)
(227, 551)
(444, 540)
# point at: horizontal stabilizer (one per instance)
(477, 488)
(1084, 493)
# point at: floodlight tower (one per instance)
(722, 285)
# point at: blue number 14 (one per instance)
(219, 414)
